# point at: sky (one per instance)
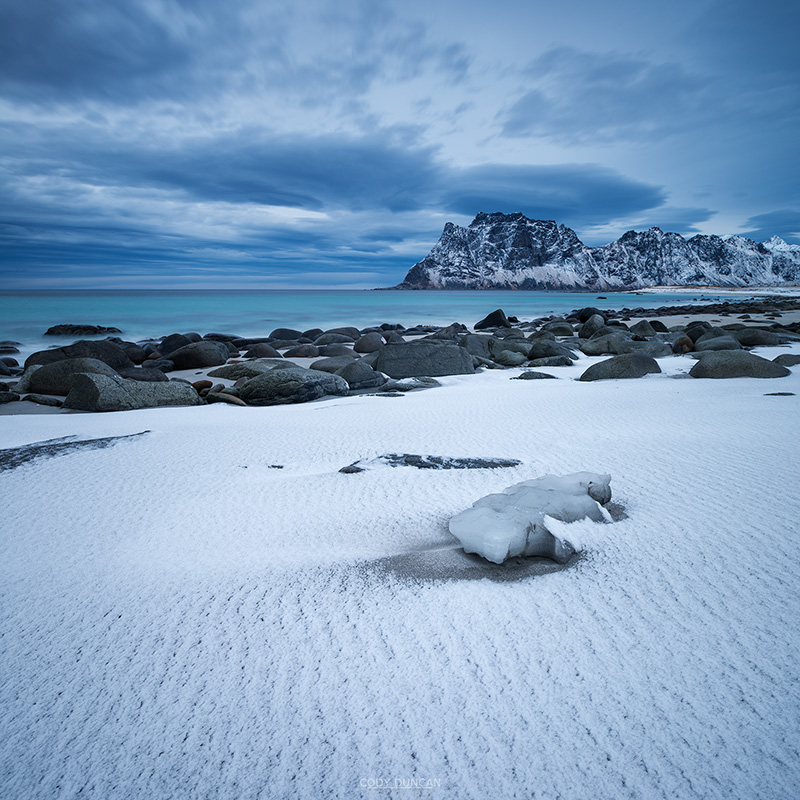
(258, 144)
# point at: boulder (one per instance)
(173, 342)
(360, 375)
(333, 363)
(413, 359)
(197, 355)
(333, 338)
(591, 326)
(262, 350)
(105, 351)
(509, 345)
(517, 522)
(286, 333)
(681, 345)
(630, 365)
(369, 343)
(294, 385)
(8, 397)
(159, 364)
(510, 358)
(590, 311)
(497, 319)
(787, 359)
(543, 348)
(755, 337)
(93, 392)
(643, 328)
(250, 369)
(80, 330)
(43, 400)
(56, 378)
(711, 343)
(551, 361)
(302, 351)
(531, 375)
(476, 344)
(736, 364)
(558, 327)
(224, 397)
(620, 343)
(336, 350)
(147, 374)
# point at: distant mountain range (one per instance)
(510, 251)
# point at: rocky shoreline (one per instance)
(293, 366)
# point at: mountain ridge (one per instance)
(511, 251)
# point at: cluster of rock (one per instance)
(511, 251)
(115, 375)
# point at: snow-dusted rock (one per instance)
(513, 523)
(510, 251)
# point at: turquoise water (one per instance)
(24, 316)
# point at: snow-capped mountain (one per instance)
(510, 251)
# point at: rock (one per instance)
(173, 342)
(530, 375)
(8, 397)
(250, 369)
(92, 392)
(56, 378)
(551, 361)
(510, 358)
(198, 386)
(410, 384)
(146, 374)
(542, 348)
(430, 462)
(369, 343)
(346, 330)
(630, 365)
(332, 364)
(787, 359)
(360, 375)
(262, 350)
(695, 329)
(476, 344)
(736, 364)
(80, 330)
(509, 345)
(497, 319)
(224, 397)
(558, 327)
(9, 349)
(105, 351)
(658, 326)
(755, 337)
(333, 338)
(711, 343)
(197, 355)
(683, 344)
(412, 359)
(43, 400)
(331, 350)
(159, 365)
(643, 328)
(286, 333)
(295, 385)
(591, 326)
(302, 351)
(135, 352)
(590, 311)
(619, 343)
(8, 361)
(516, 522)
(4, 369)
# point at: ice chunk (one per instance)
(515, 522)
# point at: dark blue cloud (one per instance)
(784, 223)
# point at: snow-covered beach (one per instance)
(212, 609)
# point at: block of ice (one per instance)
(514, 522)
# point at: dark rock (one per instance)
(787, 359)
(286, 333)
(173, 342)
(695, 329)
(224, 397)
(4, 369)
(214, 337)
(710, 342)
(56, 378)
(302, 351)
(558, 327)
(590, 311)
(509, 345)
(592, 325)
(621, 344)
(147, 374)
(9, 348)
(779, 394)
(410, 384)
(736, 364)
(683, 344)
(392, 337)
(8, 397)
(198, 386)
(532, 376)
(159, 365)
(43, 400)
(346, 330)
(369, 343)
(333, 364)
(333, 338)
(135, 352)
(497, 319)
(510, 358)
(755, 337)
(295, 385)
(262, 350)
(330, 350)
(197, 355)
(92, 392)
(80, 330)
(431, 462)
(643, 328)
(629, 365)
(249, 369)
(105, 351)
(312, 334)
(542, 348)
(476, 344)
(658, 326)
(360, 375)
(412, 359)
(8, 361)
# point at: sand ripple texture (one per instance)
(181, 619)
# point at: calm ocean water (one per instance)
(25, 316)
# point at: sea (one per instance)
(140, 315)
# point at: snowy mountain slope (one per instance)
(510, 251)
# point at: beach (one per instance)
(211, 608)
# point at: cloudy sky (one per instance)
(305, 143)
